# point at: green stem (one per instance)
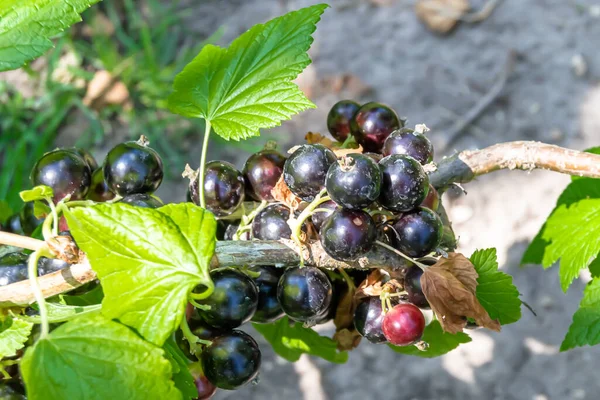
(37, 291)
(47, 228)
(304, 215)
(401, 254)
(349, 280)
(192, 339)
(210, 288)
(247, 220)
(54, 216)
(202, 165)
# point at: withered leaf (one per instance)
(282, 193)
(450, 287)
(346, 336)
(372, 286)
(347, 339)
(317, 138)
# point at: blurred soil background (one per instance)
(507, 70)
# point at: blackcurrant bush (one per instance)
(304, 293)
(405, 183)
(29, 222)
(418, 232)
(410, 143)
(99, 190)
(49, 265)
(233, 301)
(338, 119)
(412, 285)
(368, 318)
(348, 234)
(65, 171)
(142, 200)
(403, 325)
(305, 170)
(131, 168)
(13, 268)
(271, 223)
(268, 309)
(261, 172)
(322, 213)
(372, 124)
(231, 361)
(354, 182)
(87, 156)
(224, 188)
(432, 201)
(13, 224)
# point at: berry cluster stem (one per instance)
(37, 291)
(247, 220)
(304, 215)
(401, 254)
(203, 164)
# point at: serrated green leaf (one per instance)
(40, 192)
(14, 332)
(593, 150)
(94, 358)
(248, 86)
(62, 312)
(184, 381)
(583, 188)
(585, 329)
(573, 233)
(495, 289)
(26, 27)
(439, 342)
(146, 265)
(291, 341)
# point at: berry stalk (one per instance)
(32, 272)
(202, 164)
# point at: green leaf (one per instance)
(94, 358)
(184, 381)
(573, 233)
(582, 188)
(585, 329)
(291, 341)
(495, 289)
(248, 86)
(41, 209)
(14, 332)
(439, 342)
(26, 27)
(146, 265)
(62, 313)
(92, 297)
(5, 211)
(40, 192)
(593, 150)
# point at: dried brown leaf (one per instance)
(282, 193)
(344, 152)
(449, 287)
(317, 138)
(372, 286)
(347, 339)
(441, 15)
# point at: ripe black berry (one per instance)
(271, 223)
(99, 190)
(403, 325)
(131, 168)
(233, 301)
(412, 285)
(261, 172)
(322, 213)
(348, 234)
(410, 143)
(13, 268)
(372, 124)
(338, 119)
(405, 183)
(205, 389)
(418, 232)
(142, 200)
(232, 229)
(49, 265)
(304, 293)
(368, 319)
(231, 361)
(28, 220)
(223, 188)
(65, 171)
(432, 201)
(268, 309)
(304, 172)
(354, 181)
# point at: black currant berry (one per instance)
(224, 188)
(261, 172)
(142, 200)
(271, 223)
(322, 213)
(87, 156)
(405, 183)
(268, 309)
(418, 232)
(233, 301)
(305, 171)
(432, 201)
(231, 361)
(205, 389)
(304, 293)
(13, 268)
(28, 220)
(231, 231)
(131, 168)
(99, 190)
(65, 171)
(372, 124)
(368, 318)
(49, 265)
(412, 285)
(348, 234)
(338, 119)
(403, 325)
(354, 181)
(410, 143)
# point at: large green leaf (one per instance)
(147, 266)
(495, 289)
(573, 233)
(94, 358)
(184, 381)
(26, 27)
(248, 86)
(14, 332)
(439, 342)
(585, 329)
(291, 341)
